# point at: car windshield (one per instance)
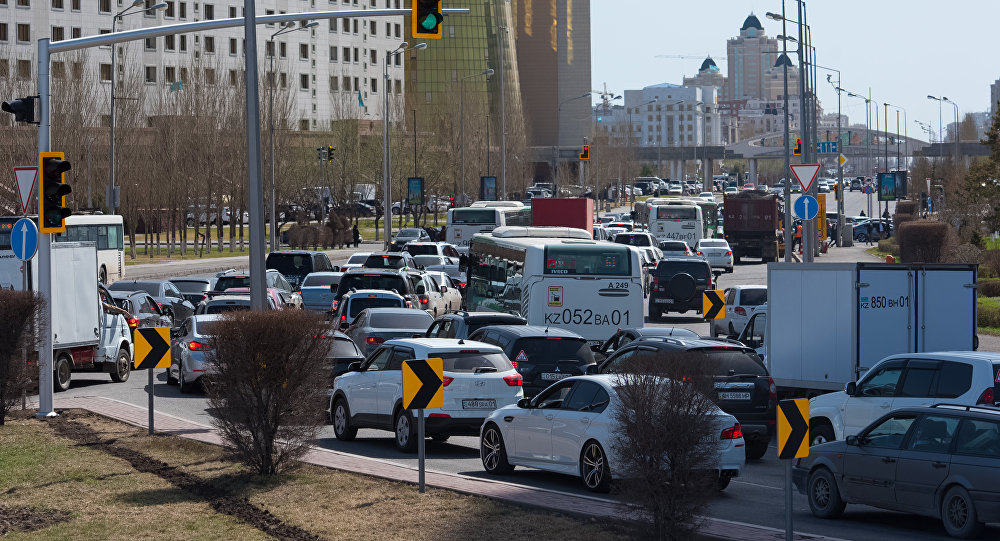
(725, 361)
(190, 286)
(426, 260)
(384, 262)
(588, 260)
(699, 269)
(475, 362)
(676, 212)
(545, 350)
(290, 265)
(674, 246)
(387, 282)
(220, 308)
(227, 282)
(151, 289)
(205, 328)
(408, 234)
(753, 297)
(320, 281)
(342, 347)
(422, 249)
(357, 259)
(409, 319)
(360, 303)
(632, 239)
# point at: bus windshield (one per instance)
(588, 260)
(674, 212)
(473, 216)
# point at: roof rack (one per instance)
(965, 407)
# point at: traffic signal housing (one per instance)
(23, 109)
(52, 191)
(329, 152)
(798, 147)
(427, 18)
(585, 152)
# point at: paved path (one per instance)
(573, 504)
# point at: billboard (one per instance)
(487, 188)
(415, 191)
(887, 186)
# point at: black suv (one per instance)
(855, 184)
(461, 324)
(742, 386)
(542, 355)
(678, 285)
(294, 265)
(385, 279)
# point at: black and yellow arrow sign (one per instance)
(422, 384)
(793, 428)
(152, 348)
(712, 305)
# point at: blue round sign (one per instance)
(806, 207)
(869, 189)
(24, 239)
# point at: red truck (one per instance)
(750, 223)
(563, 212)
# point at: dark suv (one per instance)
(385, 279)
(742, 386)
(294, 265)
(542, 355)
(678, 285)
(461, 324)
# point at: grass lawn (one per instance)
(56, 484)
(878, 253)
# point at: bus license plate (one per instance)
(479, 404)
(664, 301)
(732, 395)
(554, 376)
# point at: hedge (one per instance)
(922, 241)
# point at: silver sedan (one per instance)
(187, 352)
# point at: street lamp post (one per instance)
(461, 121)
(559, 116)
(900, 159)
(788, 159)
(940, 124)
(285, 29)
(114, 76)
(386, 162)
(958, 128)
(631, 133)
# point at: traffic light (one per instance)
(451, 201)
(52, 191)
(23, 109)
(585, 153)
(329, 152)
(427, 18)
(798, 147)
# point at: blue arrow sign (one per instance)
(827, 147)
(24, 239)
(806, 207)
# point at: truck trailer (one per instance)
(750, 223)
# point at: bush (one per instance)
(268, 384)
(989, 287)
(963, 253)
(988, 313)
(20, 328)
(900, 219)
(906, 207)
(889, 246)
(922, 241)
(990, 262)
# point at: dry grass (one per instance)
(111, 500)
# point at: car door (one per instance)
(533, 430)
(870, 467)
(872, 397)
(925, 461)
(182, 309)
(362, 387)
(390, 382)
(572, 421)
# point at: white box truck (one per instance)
(825, 324)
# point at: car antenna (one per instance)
(461, 342)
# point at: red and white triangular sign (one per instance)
(805, 173)
(25, 177)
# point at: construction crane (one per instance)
(606, 97)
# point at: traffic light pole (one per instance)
(44, 245)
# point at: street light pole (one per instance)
(461, 121)
(940, 124)
(559, 115)
(958, 128)
(386, 162)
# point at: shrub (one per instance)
(900, 219)
(906, 207)
(963, 253)
(268, 384)
(922, 241)
(989, 261)
(20, 327)
(889, 246)
(989, 287)
(988, 314)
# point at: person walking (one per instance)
(798, 237)
(356, 235)
(833, 229)
(868, 231)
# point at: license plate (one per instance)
(730, 395)
(479, 404)
(664, 301)
(553, 376)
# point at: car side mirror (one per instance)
(853, 441)
(851, 388)
(417, 335)
(592, 369)
(354, 367)
(333, 289)
(524, 403)
(444, 289)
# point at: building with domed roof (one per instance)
(750, 55)
(708, 75)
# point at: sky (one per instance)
(902, 50)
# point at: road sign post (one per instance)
(423, 387)
(712, 304)
(793, 442)
(152, 350)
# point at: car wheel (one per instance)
(723, 481)
(63, 373)
(182, 385)
(493, 452)
(757, 449)
(821, 433)
(342, 428)
(824, 497)
(655, 315)
(123, 367)
(594, 470)
(958, 514)
(171, 380)
(406, 435)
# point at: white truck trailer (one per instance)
(825, 324)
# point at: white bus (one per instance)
(683, 221)
(557, 276)
(106, 231)
(483, 217)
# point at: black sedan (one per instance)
(942, 462)
(170, 299)
(144, 310)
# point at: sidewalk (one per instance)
(572, 504)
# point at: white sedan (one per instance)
(570, 428)
(717, 252)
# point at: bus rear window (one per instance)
(588, 260)
(676, 213)
(473, 216)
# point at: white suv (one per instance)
(902, 381)
(741, 301)
(478, 378)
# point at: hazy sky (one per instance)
(903, 50)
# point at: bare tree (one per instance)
(20, 329)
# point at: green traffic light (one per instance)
(429, 22)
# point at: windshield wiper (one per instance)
(482, 369)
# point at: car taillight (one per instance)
(772, 389)
(729, 252)
(438, 415)
(160, 304)
(423, 299)
(514, 380)
(987, 397)
(446, 380)
(343, 319)
(409, 304)
(195, 346)
(374, 340)
(740, 310)
(699, 253)
(334, 305)
(515, 364)
(133, 323)
(461, 284)
(656, 281)
(732, 433)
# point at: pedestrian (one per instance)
(356, 235)
(862, 213)
(833, 229)
(797, 241)
(868, 230)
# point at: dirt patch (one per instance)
(220, 500)
(29, 519)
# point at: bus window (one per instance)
(570, 260)
(473, 216)
(676, 213)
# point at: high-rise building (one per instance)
(709, 75)
(994, 97)
(750, 55)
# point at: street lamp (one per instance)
(114, 54)
(940, 124)
(286, 28)
(958, 130)
(840, 166)
(461, 120)
(906, 137)
(386, 162)
(631, 133)
(559, 119)
(788, 185)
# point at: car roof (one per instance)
(662, 331)
(205, 318)
(186, 279)
(959, 410)
(950, 356)
(136, 282)
(325, 273)
(378, 270)
(294, 252)
(394, 310)
(121, 294)
(373, 293)
(523, 331)
(480, 316)
(682, 343)
(444, 344)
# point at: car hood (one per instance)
(829, 400)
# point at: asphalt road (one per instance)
(755, 497)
